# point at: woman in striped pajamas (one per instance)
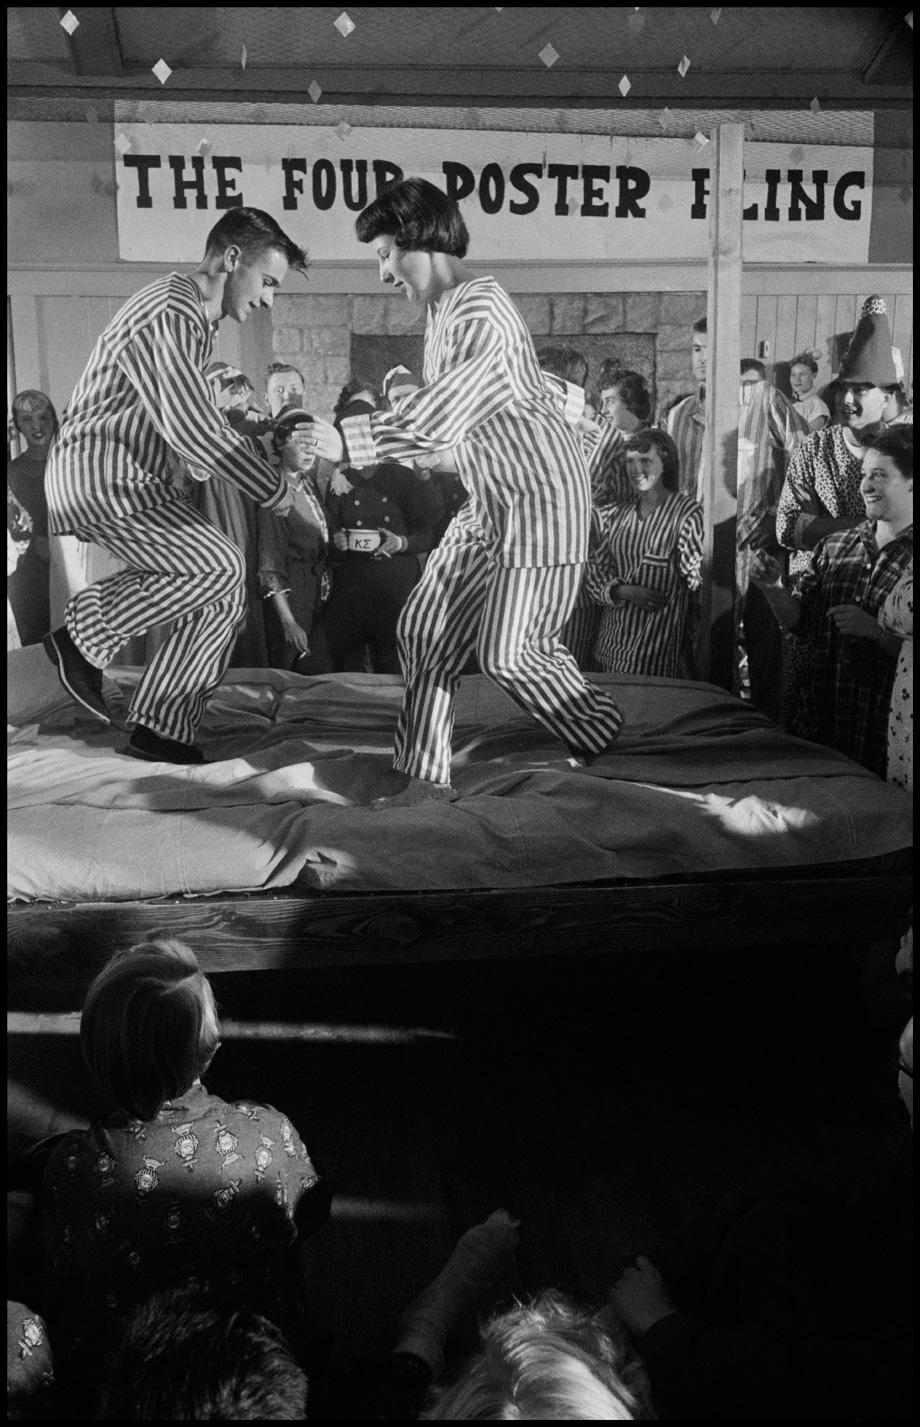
(143, 400)
(506, 574)
(647, 565)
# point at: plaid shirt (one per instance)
(847, 691)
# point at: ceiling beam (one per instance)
(479, 87)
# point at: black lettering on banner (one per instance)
(800, 201)
(774, 178)
(323, 185)
(634, 184)
(562, 173)
(354, 169)
(491, 189)
(593, 203)
(698, 207)
(460, 180)
(519, 179)
(177, 164)
(292, 185)
(850, 212)
(227, 197)
(753, 208)
(142, 163)
(385, 173)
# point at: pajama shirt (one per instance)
(142, 401)
(507, 573)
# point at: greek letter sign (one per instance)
(524, 196)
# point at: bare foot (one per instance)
(640, 1296)
(417, 790)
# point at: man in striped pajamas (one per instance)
(142, 407)
(505, 577)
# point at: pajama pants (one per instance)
(511, 618)
(182, 570)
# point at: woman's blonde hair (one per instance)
(149, 1027)
(547, 1360)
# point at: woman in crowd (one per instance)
(647, 565)
(293, 559)
(28, 587)
(626, 406)
(846, 691)
(896, 617)
(174, 1183)
(802, 372)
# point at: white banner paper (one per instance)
(524, 196)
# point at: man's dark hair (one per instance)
(700, 325)
(418, 217)
(633, 393)
(352, 389)
(611, 367)
(190, 1353)
(897, 442)
(751, 364)
(805, 359)
(564, 362)
(252, 231)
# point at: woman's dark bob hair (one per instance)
(417, 216)
(652, 439)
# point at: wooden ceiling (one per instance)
(754, 58)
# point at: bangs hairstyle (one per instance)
(547, 1361)
(660, 441)
(896, 442)
(24, 399)
(634, 394)
(149, 1027)
(252, 231)
(417, 216)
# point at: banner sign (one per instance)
(528, 197)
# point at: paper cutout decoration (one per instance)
(815, 105)
(204, 146)
(683, 67)
(624, 86)
(700, 139)
(314, 90)
(122, 143)
(69, 22)
(664, 118)
(344, 24)
(549, 55)
(162, 70)
(796, 156)
(909, 17)
(716, 14)
(343, 130)
(243, 58)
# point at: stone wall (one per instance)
(320, 335)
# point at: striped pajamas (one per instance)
(506, 574)
(141, 409)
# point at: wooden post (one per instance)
(720, 447)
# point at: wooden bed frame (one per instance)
(55, 949)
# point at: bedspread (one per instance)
(699, 783)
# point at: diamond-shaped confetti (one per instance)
(203, 147)
(664, 118)
(122, 143)
(700, 139)
(716, 14)
(796, 156)
(343, 130)
(624, 86)
(162, 70)
(344, 24)
(69, 22)
(243, 57)
(683, 67)
(909, 17)
(665, 203)
(314, 90)
(549, 55)
(815, 105)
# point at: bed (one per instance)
(706, 825)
